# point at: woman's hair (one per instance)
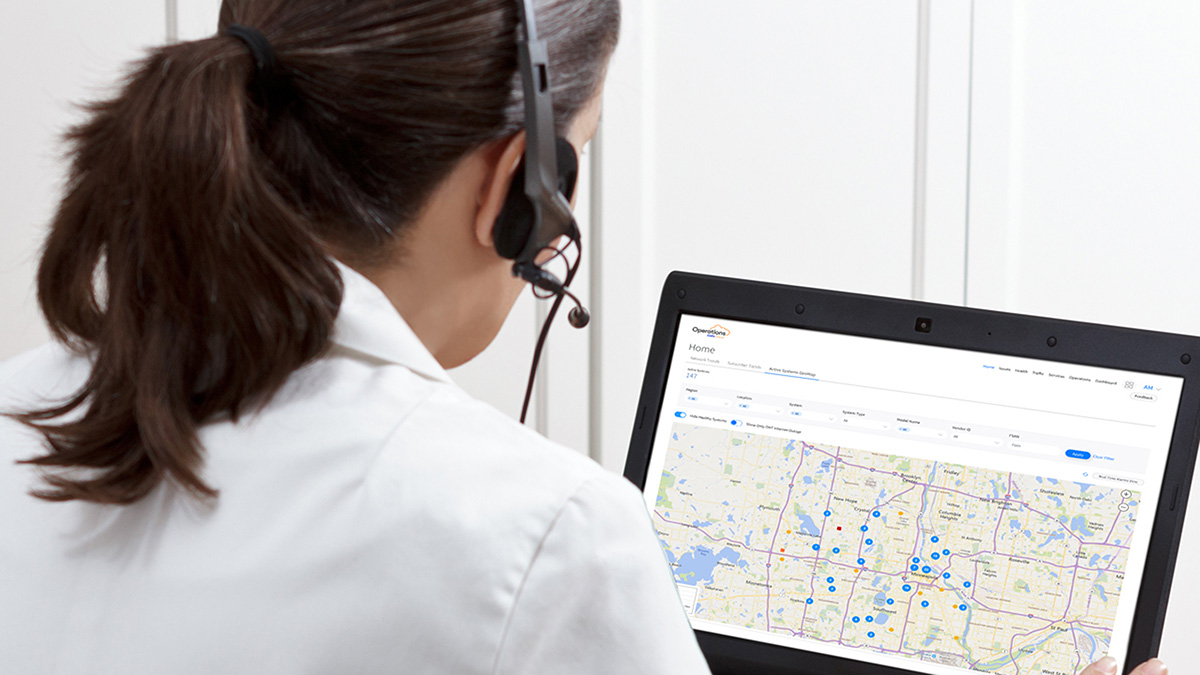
(189, 258)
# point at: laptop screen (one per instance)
(932, 509)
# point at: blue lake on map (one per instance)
(807, 525)
(997, 486)
(1057, 536)
(697, 567)
(1079, 524)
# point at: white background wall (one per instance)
(1038, 157)
(1057, 171)
(52, 56)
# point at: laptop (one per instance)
(854, 484)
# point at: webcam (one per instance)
(924, 325)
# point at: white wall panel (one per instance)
(1096, 118)
(992, 191)
(1085, 162)
(623, 317)
(567, 374)
(773, 142)
(53, 56)
(783, 142)
(196, 18)
(947, 151)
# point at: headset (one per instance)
(535, 225)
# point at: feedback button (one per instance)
(1079, 454)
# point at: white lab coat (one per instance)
(373, 518)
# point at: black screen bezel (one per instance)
(954, 327)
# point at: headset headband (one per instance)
(552, 213)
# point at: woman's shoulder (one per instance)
(467, 472)
(49, 371)
(460, 444)
(39, 378)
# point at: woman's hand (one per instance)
(1108, 666)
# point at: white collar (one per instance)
(368, 323)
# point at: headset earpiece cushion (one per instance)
(568, 167)
(514, 225)
(515, 221)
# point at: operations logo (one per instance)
(718, 331)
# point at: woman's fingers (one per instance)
(1105, 666)
(1151, 667)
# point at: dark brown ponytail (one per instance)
(189, 257)
(214, 290)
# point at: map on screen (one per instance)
(933, 560)
(926, 508)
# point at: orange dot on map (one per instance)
(891, 630)
(920, 592)
(901, 513)
(789, 531)
(955, 637)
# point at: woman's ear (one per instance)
(502, 161)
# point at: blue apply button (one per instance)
(1079, 454)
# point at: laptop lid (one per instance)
(853, 484)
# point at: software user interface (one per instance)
(926, 508)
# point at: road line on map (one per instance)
(940, 491)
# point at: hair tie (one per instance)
(260, 51)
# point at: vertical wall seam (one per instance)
(541, 383)
(595, 291)
(970, 111)
(172, 10)
(648, 194)
(921, 151)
